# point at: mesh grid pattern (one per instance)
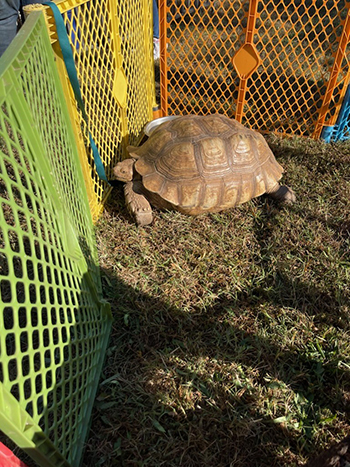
(111, 43)
(54, 325)
(135, 29)
(344, 134)
(303, 65)
(201, 44)
(38, 80)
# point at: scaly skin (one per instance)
(282, 193)
(137, 203)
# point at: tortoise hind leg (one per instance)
(282, 193)
(137, 203)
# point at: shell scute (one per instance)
(179, 162)
(154, 182)
(217, 125)
(260, 184)
(189, 195)
(155, 145)
(170, 192)
(243, 150)
(214, 155)
(231, 194)
(145, 166)
(247, 188)
(212, 195)
(186, 128)
(272, 171)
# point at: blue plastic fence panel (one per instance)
(341, 130)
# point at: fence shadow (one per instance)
(148, 362)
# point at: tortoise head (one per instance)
(124, 170)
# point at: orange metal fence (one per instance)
(274, 65)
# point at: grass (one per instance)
(230, 344)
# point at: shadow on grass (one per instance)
(255, 379)
(185, 388)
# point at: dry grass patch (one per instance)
(231, 341)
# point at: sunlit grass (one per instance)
(231, 331)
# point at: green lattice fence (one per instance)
(54, 324)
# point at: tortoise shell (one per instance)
(206, 163)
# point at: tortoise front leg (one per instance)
(137, 203)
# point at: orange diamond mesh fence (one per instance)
(275, 66)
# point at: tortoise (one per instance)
(198, 164)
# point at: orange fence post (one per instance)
(246, 60)
(163, 58)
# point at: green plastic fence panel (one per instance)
(54, 325)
